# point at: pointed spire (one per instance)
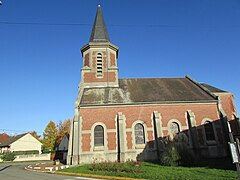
(99, 30)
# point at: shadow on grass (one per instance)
(220, 163)
(214, 163)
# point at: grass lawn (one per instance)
(154, 171)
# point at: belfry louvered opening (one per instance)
(99, 65)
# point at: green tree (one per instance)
(49, 136)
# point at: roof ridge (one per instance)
(201, 87)
(156, 78)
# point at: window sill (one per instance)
(140, 146)
(99, 148)
(99, 76)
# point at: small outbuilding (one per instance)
(62, 149)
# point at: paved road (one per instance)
(16, 171)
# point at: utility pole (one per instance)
(234, 149)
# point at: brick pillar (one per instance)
(70, 145)
(193, 132)
(74, 145)
(157, 123)
(122, 140)
(224, 122)
(237, 123)
(74, 141)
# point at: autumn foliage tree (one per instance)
(49, 136)
(34, 134)
(63, 128)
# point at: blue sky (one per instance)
(40, 43)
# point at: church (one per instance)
(125, 119)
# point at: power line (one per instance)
(82, 24)
(20, 131)
(46, 24)
(114, 25)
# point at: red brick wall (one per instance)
(112, 60)
(86, 60)
(86, 142)
(91, 77)
(227, 104)
(150, 135)
(107, 116)
(129, 140)
(94, 62)
(112, 141)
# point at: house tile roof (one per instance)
(147, 90)
(11, 140)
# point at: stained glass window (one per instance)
(174, 128)
(139, 134)
(209, 131)
(98, 136)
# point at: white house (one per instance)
(21, 142)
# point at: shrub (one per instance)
(177, 152)
(129, 167)
(170, 157)
(26, 152)
(8, 156)
(47, 151)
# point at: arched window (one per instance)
(99, 65)
(209, 131)
(139, 134)
(98, 136)
(174, 128)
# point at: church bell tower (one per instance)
(99, 70)
(99, 57)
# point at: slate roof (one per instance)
(99, 30)
(212, 88)
(147, 90)
(12, 139)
